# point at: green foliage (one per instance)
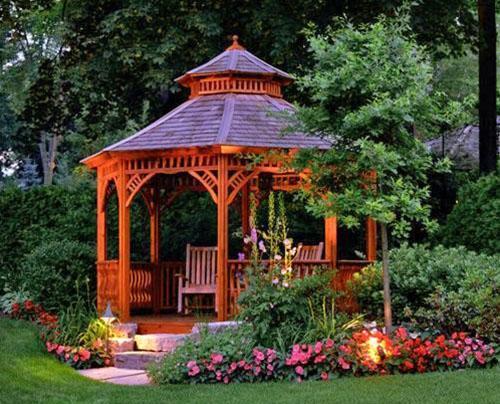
(449, 289)
(58, 272)
(233, 343)
(473, 221)
(40, 215)
(76, 323)
(325, 323)
(281, 316)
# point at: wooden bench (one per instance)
(200, 276)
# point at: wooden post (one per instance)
(123, 246)
(331, 240)
(222, 238)
(371, 239)
(101, 233)
(245, 215)
(154, 221)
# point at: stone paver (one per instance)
(121, 344)
(125, 330)
(117, 376)
(159, 342)
(137, 359)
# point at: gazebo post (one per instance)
(154, 246)
(331, 240)
(101, 230)
(123, 246)
(371, 239)
(222, 238)
(245, 209)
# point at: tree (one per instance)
(488, 147)
(372, 92)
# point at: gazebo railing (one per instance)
(145, 275)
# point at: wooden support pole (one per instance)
(123, 247)
(245, 214)
(222, 238)
(371, 239)
(101, 234)
(331, 240)
(154, 220)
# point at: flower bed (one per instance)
(366, 353)
(79, 357)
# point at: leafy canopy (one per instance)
(373, 98)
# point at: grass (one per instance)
(28, 374)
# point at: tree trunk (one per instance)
(386, 278)
(488, 147)
(48, 150)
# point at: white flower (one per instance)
(283, 271)
(287, 242)
(278, 257)
(247, 239)
(285, 284)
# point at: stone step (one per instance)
(117, 345)
(137, 359)
(158, 342)
(125, 330)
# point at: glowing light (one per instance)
(376, 349)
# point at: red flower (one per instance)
(324, 376)
(84, 354)
(29, 305)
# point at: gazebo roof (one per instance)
(235, 59)
(235, 101)
(251, 120)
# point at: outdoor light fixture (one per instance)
(108, 317)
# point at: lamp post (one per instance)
(108, 317)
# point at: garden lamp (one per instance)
(108, 317)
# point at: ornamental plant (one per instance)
(276, 302)
(372, 99)
(88, 351)
(367, 352)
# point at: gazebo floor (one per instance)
(168, 323)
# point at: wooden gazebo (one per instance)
(233, 109)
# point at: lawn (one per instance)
(28, 374)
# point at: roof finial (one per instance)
(235, 45)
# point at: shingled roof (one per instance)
(235, 101)
(235, 59)
(221, 119)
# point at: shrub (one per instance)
(38, 215)
(219, 349)
(57, 272)
(473, 221)
(443, 288)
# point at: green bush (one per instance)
(233, 343)
(56, 273)
(442, 288)
(39, 215)
(474, 221)
(282, 316)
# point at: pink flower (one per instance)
(318, 347)
(320, 359)
(256, 370)
(241, 363)
(324, 376)
(216, 358)
(84, 354)
(480, 357)
(194, 371)
(253, 235)
(60, 350)
(270, 367)
(218, 375)
(259, 355)
(191, 364)
(75, 358)
(226, 380)
(345, 365)
(329, 343)
(299, 370)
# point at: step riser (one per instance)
(137, 360)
